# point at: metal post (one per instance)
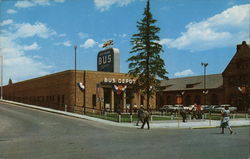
(205, 91)
(1, 77)
(75, 75)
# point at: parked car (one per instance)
(164, 108)
(169, 108)
(222, 107)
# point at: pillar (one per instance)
(124, 101)
(112, 101)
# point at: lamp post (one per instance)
(244, 92)
(75, 47)
(205, 91)
(1, 77)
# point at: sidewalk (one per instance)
(190, 124)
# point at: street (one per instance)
(32, 134)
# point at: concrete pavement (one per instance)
(190, 124)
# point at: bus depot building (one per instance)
(93, 91)
(107, 89)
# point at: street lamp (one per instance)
(205, 91)
(1, 77)
(75, 47)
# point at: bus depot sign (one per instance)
(108, 60)
(119, 81)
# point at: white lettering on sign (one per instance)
(102, 60)
(120, 80)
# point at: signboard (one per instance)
(108, 60)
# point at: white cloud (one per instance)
(33, 46)
(184, 73)
(59, 1)
(67, 43)
(17, 66)
(121, 35)
(225, 29)
(83, 35)
(33, 3)
(104, 5)
(6, 22)
(89, 43)
(11, 11)
(24, 4)
(28, 30)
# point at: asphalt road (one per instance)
(32, 134)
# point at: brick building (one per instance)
(104, 89)
(59, 89)
(230, 87)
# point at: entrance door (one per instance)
(118, 104)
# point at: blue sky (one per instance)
(37, 37)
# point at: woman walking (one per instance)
(225, 120)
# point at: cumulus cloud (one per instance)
(11, 11)
(33, 3)
(15, 58)
(17, 65)
(184, 73)
(65, 43)
(83, 35)
(6, 22)
(89, 43)
(221, 30)
(104, 5)
(38, 29)
(33, 46)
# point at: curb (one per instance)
(80, 116)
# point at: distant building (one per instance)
(230, 87)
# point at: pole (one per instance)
(205, 91)
(75, 74)
(1, 77)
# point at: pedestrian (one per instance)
(145, 117)
(193, 110)
(198, 111)
(225, 120)
(183, 114)
(139, 115)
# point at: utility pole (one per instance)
(1, 77)
(75, 47)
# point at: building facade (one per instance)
(230, 87)
(90, 91)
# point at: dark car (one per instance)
(164, 108)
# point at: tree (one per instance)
(10, 81)
(145, 62)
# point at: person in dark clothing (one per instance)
(139, 115)
(145, 117)
(183, 114)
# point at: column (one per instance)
(124, 101)
(112, 100)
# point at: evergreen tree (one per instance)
(10, 81)
(145, 62)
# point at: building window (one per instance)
(94, 100)
(142, 100)
(197, 99)
(188, 100)
(214, 99)
(168, 100)
(62, 100)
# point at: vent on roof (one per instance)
(189, 85)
